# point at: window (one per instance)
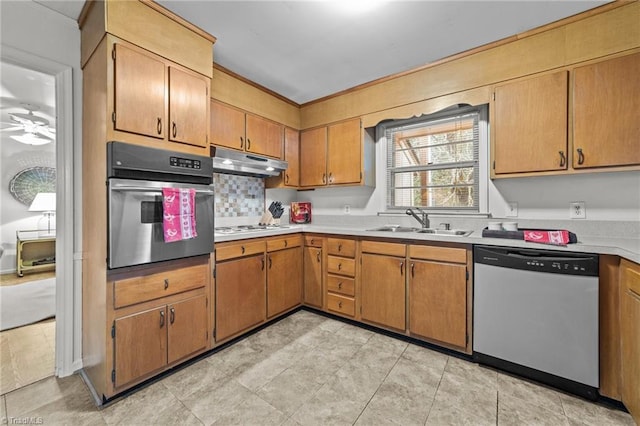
(432, 161)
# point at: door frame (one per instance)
(68, 286)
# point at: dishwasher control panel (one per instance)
(557, 262)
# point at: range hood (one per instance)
(234, 162)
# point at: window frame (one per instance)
(480, 148)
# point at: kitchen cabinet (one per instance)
(313, 271)
(335, 155)
(156, 98)
(341, 276)
(147, 341)
(289, 178)
(606, 125)
(240, 288)
(240, 130)
(284, 274)
(630, 336)
(383, 288)
(529, 124)
(439, 295)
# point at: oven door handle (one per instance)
(149, 189)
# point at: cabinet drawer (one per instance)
(140, 289)
(341, 266)
(283, 242)
(442, 254)
(391, 249)
(341, 247)
(341, 285)
(341, 304)
(312, 241)
(239, 249)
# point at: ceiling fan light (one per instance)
(30, 139)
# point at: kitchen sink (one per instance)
(394, 228)
(397, 228)
(453, 232)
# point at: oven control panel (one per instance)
(185, 163)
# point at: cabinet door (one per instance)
(292, 157)
(140, 345)
(438, 301)
(313, 157)
(630, 337)
(383, 290)
(313, 276)
(606, 122)
(264, 137)
(240, 295)
(188, 108)
(139, 88)
(188, 332)
(227, 126)
(344, 164)
(530, 125)
(284, 280)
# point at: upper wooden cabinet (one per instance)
(236, 129)
(529, 122)
(630, 336)
(338, 154)
(606, 121)
(142, 82)
(289, 178)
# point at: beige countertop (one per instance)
(628, 248)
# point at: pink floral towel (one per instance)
(558, 238)
(179, 216)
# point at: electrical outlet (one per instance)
(347, 209)
(512, 209)
(577, 210)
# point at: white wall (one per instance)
(608, 196)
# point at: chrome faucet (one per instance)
(423, 218)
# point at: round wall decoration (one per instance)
(28, 182)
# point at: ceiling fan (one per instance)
(36, 130)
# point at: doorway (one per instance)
(27, 225)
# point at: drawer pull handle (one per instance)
(286, 243)
(262, 261)
(340, 305)
(413, 269)
(318, 257)
(166, 283)
(174, 128)
(324, 178)
(401, 268)
(159, 126)
(580, 156)
(339, 247)
(248, 144)
(242, 248)
(330, 177)
(286, 178)
(339, 286)
(563, 159)
(270, 262)
(313, 241)
(161, 319)
(172, 315)
(241, 142)
(339, 266)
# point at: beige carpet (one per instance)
(27, 354)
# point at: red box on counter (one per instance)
(300, 212)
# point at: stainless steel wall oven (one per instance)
(136, 178)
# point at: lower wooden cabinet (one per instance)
(284, 279)
(312, 272)
(439, 295)
(383, 288)
(340, 273)
(187, 329)
(630, 336)
(240, 295)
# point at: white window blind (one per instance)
(432, 162)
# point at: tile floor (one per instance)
(310, 370)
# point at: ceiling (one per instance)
(305, 50)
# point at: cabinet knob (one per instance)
(159, 126)
(340, 305)
(339, 266)
(339, 247)
(312, 241)
(166, 283)
(339, 286)
(563, 159)
(580, 156)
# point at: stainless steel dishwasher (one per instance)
(535, 313)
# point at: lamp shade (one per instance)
(44, 202)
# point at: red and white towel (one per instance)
(179, 216)
(558, 238)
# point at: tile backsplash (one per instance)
(238, 195)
